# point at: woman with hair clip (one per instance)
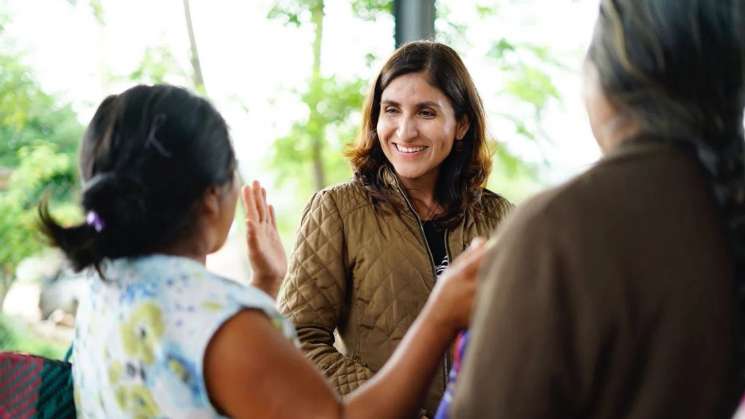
(160, 336)
(369, 251)
(621, 293)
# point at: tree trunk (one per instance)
(317, 134)
(196, 65)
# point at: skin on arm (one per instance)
(251, 370)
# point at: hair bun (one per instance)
(118, 199)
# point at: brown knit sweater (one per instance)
(608, 297)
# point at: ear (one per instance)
(462, 128)
(211, 202)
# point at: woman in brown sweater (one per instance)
(369, 251)
(620, 293)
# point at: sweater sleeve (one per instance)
(314, 291)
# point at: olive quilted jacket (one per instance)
(359, 277)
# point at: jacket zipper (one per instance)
(434, 267)
(447, 358)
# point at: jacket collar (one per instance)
(456, 238)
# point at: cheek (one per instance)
(383, 129)
(231, 204)
(444, 131)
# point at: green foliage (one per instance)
(370, 9)
(29, 116)
(333, 120)
(314, 145)
(527, 70)
(485, 10)
(157, 64)
(447, 30)
(512, 177)
(533, 86)
(38, 139)
(16, 339)
(294, 12)
(43, 172)
(96, 9)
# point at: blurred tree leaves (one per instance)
(39, 136)
(371, 9)
(335, 120)
(526, 67)
(315, 143)
(43, 172)
(527, 72)
(30, 116)
(96, 9)
(294, 12)
(157, 65)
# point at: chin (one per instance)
(408, 173)
(219, 246)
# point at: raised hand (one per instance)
(265, 250)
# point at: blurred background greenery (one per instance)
(290, 126)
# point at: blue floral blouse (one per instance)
(142, 332)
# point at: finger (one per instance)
(475, 257)
(248, 203)
(265, 204)
(467, 264)
(473, 253)
(272, 217)
(256, 189)
(477, 242)
(252, 238)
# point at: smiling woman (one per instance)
(417, 130)
(369, 250)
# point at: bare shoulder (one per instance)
(248, 350)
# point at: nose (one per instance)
(407, 129)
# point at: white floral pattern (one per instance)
(141, 334)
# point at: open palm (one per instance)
(265, 250)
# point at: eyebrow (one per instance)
(420, 105)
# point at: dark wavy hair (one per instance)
(677, 68)
(465, 171)
(146, 159)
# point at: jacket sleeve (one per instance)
(314, 291)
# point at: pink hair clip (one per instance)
(94, 220)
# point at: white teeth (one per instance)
(405, 149)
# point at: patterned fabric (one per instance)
(35, 387)
(141, 336)
(461, 344)
(436, 240)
